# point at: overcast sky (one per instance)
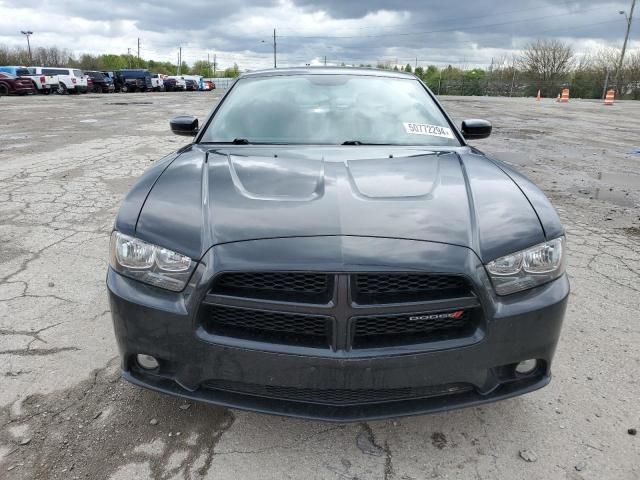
(465, 32)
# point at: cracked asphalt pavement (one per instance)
(65, 163)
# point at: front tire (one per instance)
(62, 89)
(124, 89)
(4, 90)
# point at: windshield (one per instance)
(22, 71)
(330, 109)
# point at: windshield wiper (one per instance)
(241, 141)
(358, 142)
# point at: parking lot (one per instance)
(65, 163)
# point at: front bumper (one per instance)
(25, 90)
(243, 375)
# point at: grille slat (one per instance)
(302, 287)
(388, 330)
(375, 288)
(336, 396)
(276, 327)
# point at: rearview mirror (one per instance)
(184, 125)
(474, 128)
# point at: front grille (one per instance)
(339, 311)
(336, 396)
(267, 326)
(299, 287)
(375, 288)
(406, 328)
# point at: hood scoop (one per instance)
(278, 179)
(388, 178)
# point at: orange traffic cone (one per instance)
(538, 97)
(611, 95)
(565, 96)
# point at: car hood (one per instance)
(211, 196)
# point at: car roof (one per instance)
(356, 71)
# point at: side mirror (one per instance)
(184, 125)
(474, 129)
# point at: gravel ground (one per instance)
(65, 163)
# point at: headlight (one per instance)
(149, 263)
(528, 268)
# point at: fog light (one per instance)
(147, 361)
(526, 366)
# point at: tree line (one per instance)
(544, 65)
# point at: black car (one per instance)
(137, 80)
(101, 83)
(329, 246)
(171, 85)
(192, 85)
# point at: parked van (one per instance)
(133, 80)
(70, 80)
(42, 83)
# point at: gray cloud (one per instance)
(365, 31)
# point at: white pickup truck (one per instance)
(157, 82)
(70, 80)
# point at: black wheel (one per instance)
(62, 89)
(4, 90)
(124, 89)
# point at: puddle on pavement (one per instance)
(514, 158)
(617, 197)
(628, 180)
(520, 133)
(129, 103)
(13, 136)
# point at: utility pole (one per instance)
(138, 52)
(275, 65)
(325, 60)
(129, 57)
(179, 60)
(624, 45)
(416, 64)
(208, 63)
(214, 65)
(606, 84)
(28, 33)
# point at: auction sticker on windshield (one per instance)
(426, 129)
